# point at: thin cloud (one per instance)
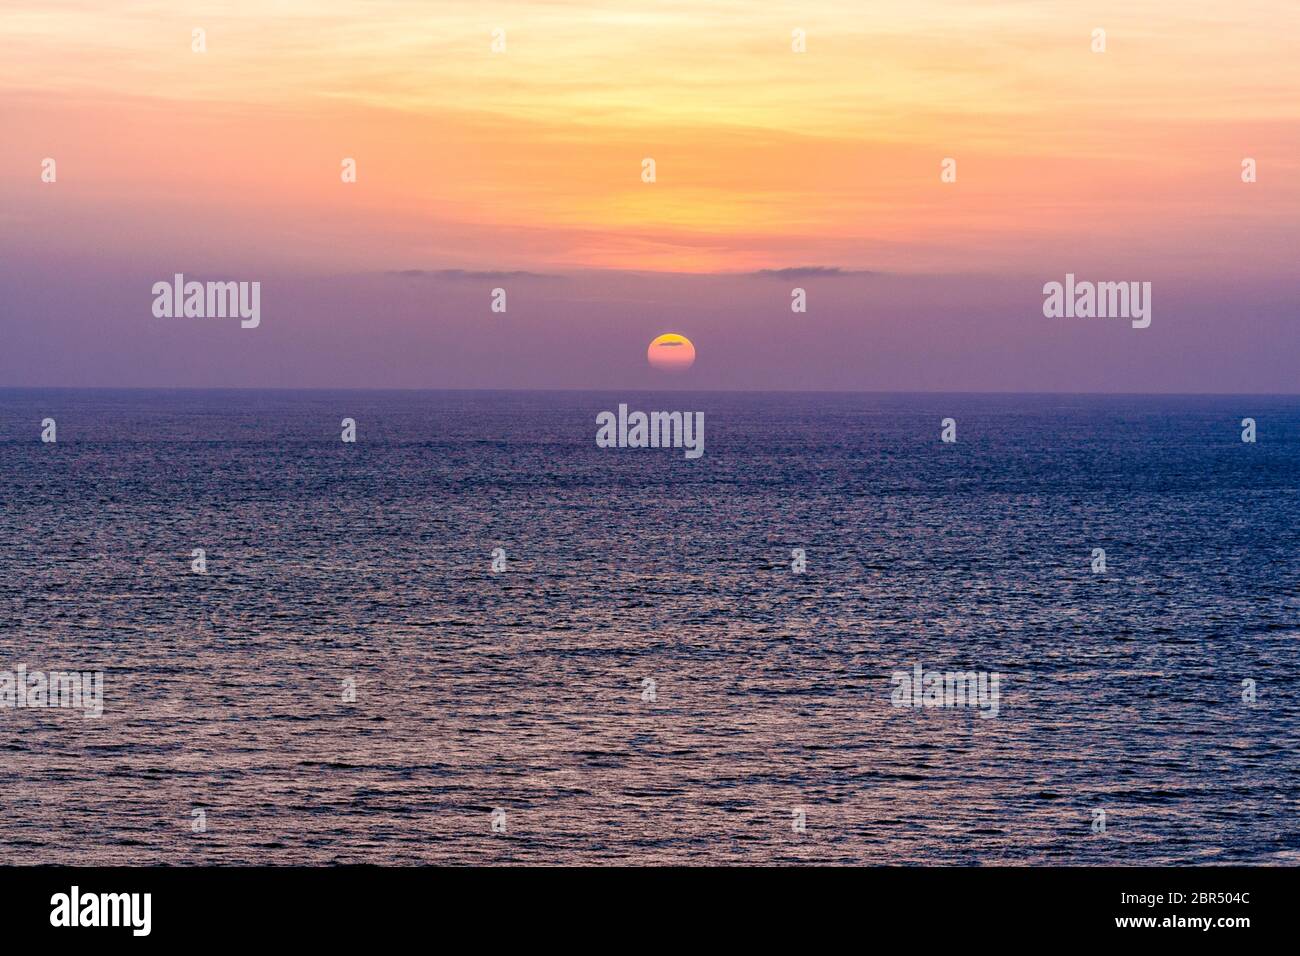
(809, 272)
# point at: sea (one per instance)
(474, 637)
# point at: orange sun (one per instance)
(671, 353)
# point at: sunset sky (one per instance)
(1123, 165)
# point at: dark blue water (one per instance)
(526, 690)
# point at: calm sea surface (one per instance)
(524, 690)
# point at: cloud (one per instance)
(809, 272)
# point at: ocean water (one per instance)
(525, 691)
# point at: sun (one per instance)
(671, 352)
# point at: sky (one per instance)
(522, 169)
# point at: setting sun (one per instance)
(671, 352)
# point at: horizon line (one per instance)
(642, 389)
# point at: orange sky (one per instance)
(766, 158)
